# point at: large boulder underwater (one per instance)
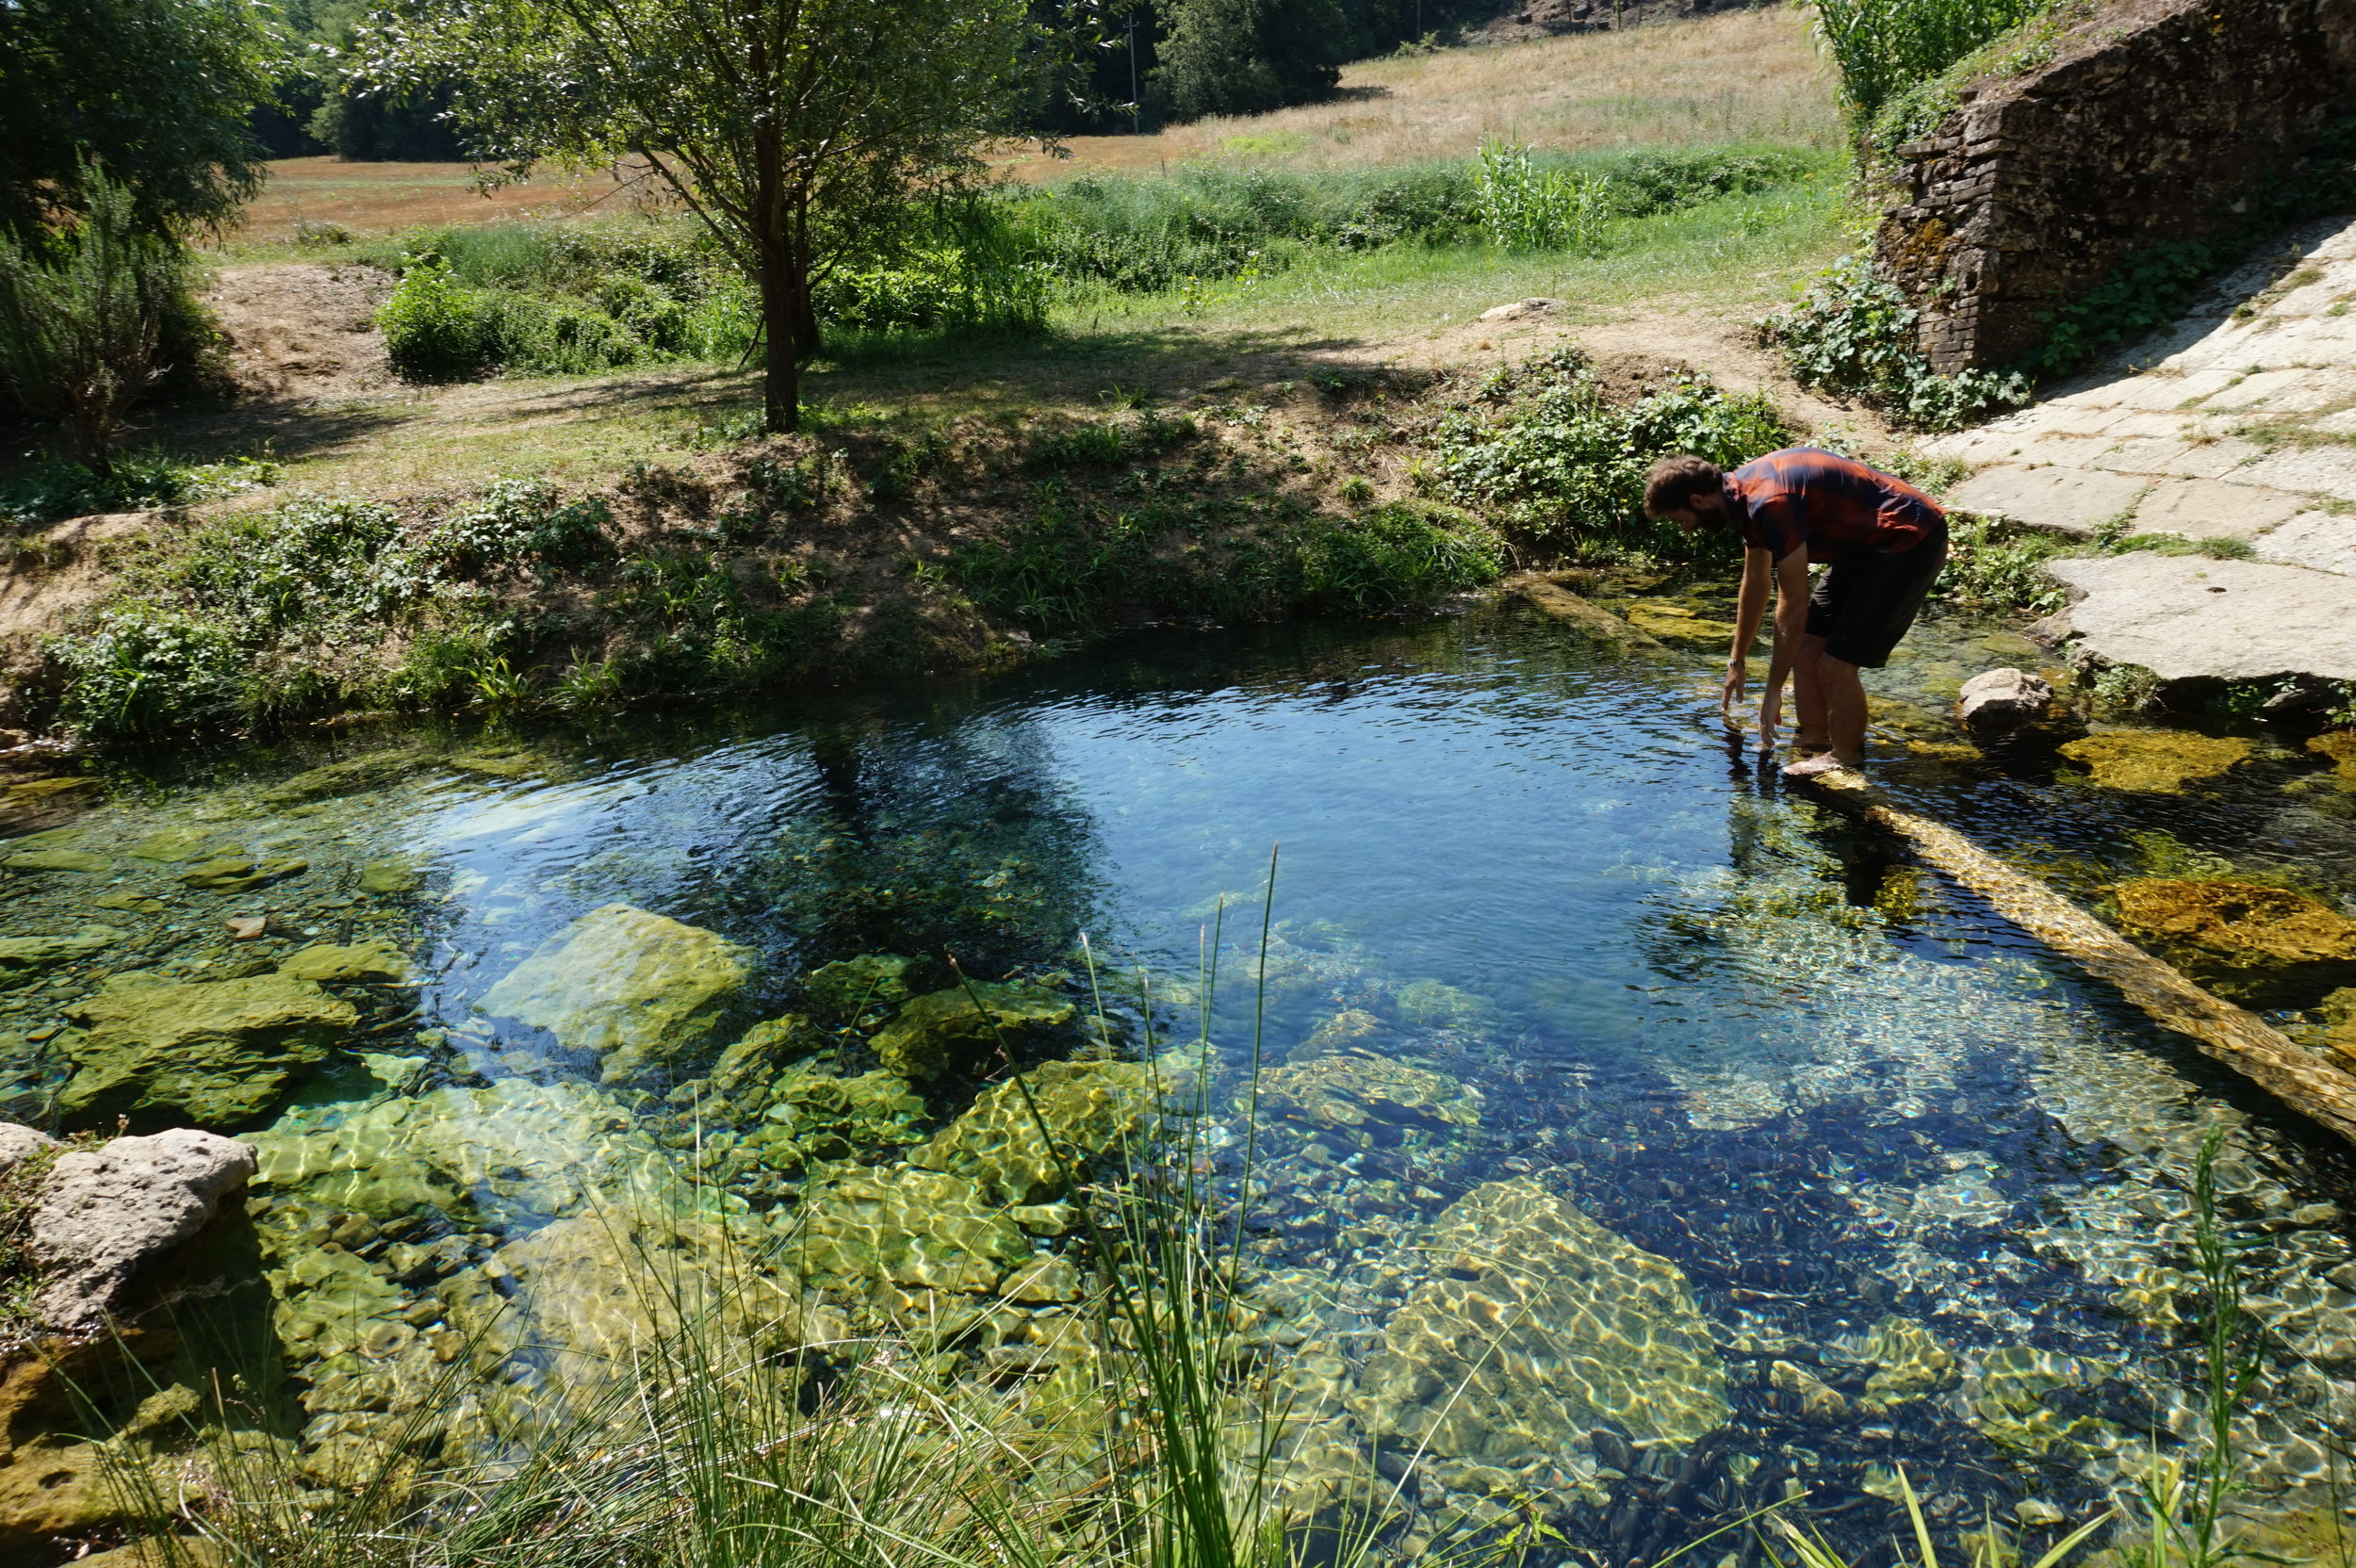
(639, 989)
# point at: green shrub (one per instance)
(1853, 335)
(1990, 569)
(144, 671)
(1882, 47)
(82, 315)
(253, 617)
(436, 328)
(1563, 467)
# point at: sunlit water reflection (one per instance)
(1879, 1133)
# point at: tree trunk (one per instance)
(784, 279)
(781, 360)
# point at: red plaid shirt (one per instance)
(1832, 506)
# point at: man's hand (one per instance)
(1770, 719)
(1737, 678)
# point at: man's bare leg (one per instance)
(1844, 717)
(1809, 736)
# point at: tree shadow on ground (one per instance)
(1017, 375)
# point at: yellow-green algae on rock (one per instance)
(1534, 1326)
(1087, 1109)
(2012, 1398)
(639, 988)
(21, 958)
(1910, 1363)
(208, 1052)
(963, 1025)
(810, 1115)
(2154, 761)
(2340, 747)
(326, 964)
(515, 1150)
(2245, 940)
(1372, 1096)
(919, 1228)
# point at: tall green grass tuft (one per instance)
(1524, 207)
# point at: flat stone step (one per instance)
(2285, 529)
(2188, 617)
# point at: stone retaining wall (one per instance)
(2151, 123)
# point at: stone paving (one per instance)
(2237, 423)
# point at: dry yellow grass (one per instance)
(1737, 76)
(381, 198)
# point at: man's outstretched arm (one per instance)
(1758, 566)
(1791, 624)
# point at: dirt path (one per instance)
(301, 331)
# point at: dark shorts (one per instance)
(1862, 606)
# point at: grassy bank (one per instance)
(872, 544)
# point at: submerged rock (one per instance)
(2154, 761)
(2003, 702)
(23, 958)
(919, 1228)
(742, 1076)
(961, 1026)
(1436, 1005)
(2245, 940)
(2032, 1402)
(638, 988)
(1532, 1326)
(518, 1152)
(237, 874)
(1910, 1363)
(107, 1217)
(1351, 1027)
(1026, 1141)
(812, 1116)
(849, 987)
(1672, 622)
(2340, 747)
(340, 779)
(601, 1289)
(216, 1053)
(362, 962)
(1371, 1096)
(176, 843)
(390, 876)
(54, 860)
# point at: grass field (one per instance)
(381, 198)
(1738, 76)
(1750, 77)
(1680, 284)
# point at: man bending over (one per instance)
(1884, 542)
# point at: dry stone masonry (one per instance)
(2152, 122)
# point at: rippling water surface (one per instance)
(1872, 1125)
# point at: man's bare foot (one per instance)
(1815, 766)
(1810, 745)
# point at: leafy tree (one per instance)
(1246, 57)
(156, 90)
(794, 129)
(81, 314)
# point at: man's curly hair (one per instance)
(1674, 483)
